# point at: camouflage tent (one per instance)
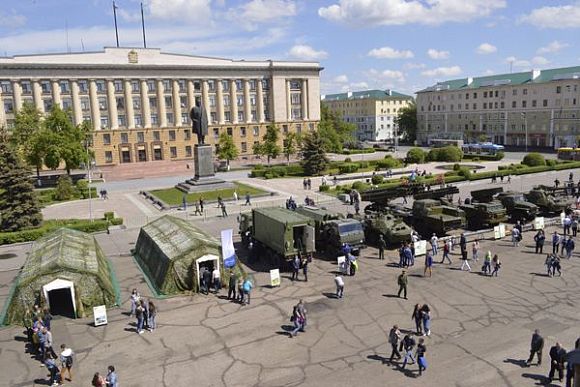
(171, 251)
(67, 271)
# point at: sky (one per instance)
(403, 45)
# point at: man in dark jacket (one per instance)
(557, 357)
(232, 284)
(536, 347)
(402, 282)
(394, 338)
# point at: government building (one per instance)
(138, 99)
(539, 108)
(372, 111)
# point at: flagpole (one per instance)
(143, 27)
(116, 29)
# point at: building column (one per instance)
(2, 114)
(17, 92)
(191, 95)
(129, 111)
(247, 102)
(161, 111)
(145, 107)
(205, 99)
(176, 104)
(112, 104)
(95, 110)
(304, 99)
(56, 93)
(76, 102)
(288, 101)
(233, 101)
(260, 101)
(552, 142)
(220, 101)
(37, 96)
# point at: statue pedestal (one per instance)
(204, 178)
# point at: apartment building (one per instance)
(539, 108)
(138, 99)
(372, 111)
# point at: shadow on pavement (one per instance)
(518, 362)
(541, 380)
(380, 358)
(330, 295)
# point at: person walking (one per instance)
(496, 265)
(303, 313)
(428, 264)
(66, 362)
(295, 267)
(463, 242)
(152, 316)
(394, 339)
(486, 269)
(139, 313)
(339, 282)
(446, 251)
(232, 286)
(48, 342)
(426, 317)
(421, 361)
(215, 276)
(248, 201)
(570, 246)
(536, 347)
(206, 280)
(574, 226)
(298, 320)
(382, 247)
(247, 287)
(408, 344)
(556, 265)
(434, 242)
(475, 250)
(304, 264)
(50, 365)
(555, 242)
(236, 197)
(134, 300)
(557, 358)
(112, 380)
(539, 238)
(516, 237)
(201, 202)
(408, 255)
(418, 318)
(464, 257)
(548, 264)
(567, 224)
(402, 282)
(224, 211)
(197, 211)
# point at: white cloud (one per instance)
(390, 53)
(559, 16)
(11, 20)
(489, 72)
(189, 11)
(540, 61)
(393, 74)
(435, 54)
(262, 11)
(486, 48)
(515, 62)
(442, 72)
(304, 52)
(400, 12)
(375, 76)
(413, 66)
(356, 86)
(340, 79)
(555, 46)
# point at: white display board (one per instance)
(539, 223)
(420, 248)
(100, 315)
(341, 264)
(499, 231)
(274, 277)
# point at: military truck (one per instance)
(279, 234)
(546, 202)
(431, 216)
(332, 230)
(483, 210)
(518, 208)
(393, 229)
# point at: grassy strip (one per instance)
(46, 196)
(173, 196)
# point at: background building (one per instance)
(372, 111)
(138, 100)
(542, 106)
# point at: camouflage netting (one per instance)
(70, 255)
(167, 250)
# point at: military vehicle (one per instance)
(431, 216)
(483, 210)
(392, 228)
(380, 198)
(546, 202)
(518, 208)
(279, 234)
(332, 230)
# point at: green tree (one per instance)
(415, 156)
(65, 141)
(335, 133)
(534, 159)
(314, 160)
(227, 150)
(64, 188)
(18, 202)
(290, 145)
(26, 136)
(269, 145)
(406, 121)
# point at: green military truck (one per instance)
(278, 234)
(518, 208)
(431, 216)
(484, 210)
(547, 202)
(332, 230)
(392, 228)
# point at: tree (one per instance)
(407, 122)
(64, 141)
(269, 146)
(534, 159)
(227, 150)
(18, 203)
(26, 136)
(335, 133)
(290, 145)
(415, 156)
(314, 160)
(64, 188)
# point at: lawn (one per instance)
(173, 196)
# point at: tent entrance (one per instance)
(208, 261)
(60, 296)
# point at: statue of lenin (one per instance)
(198, 117)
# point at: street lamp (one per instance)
(526, 128)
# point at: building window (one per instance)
(242, 131)
(83, 86)
(244, 146)
(502, 105)
(151, 86)
(104, 122)
(226, 100)
(188, 152)
(173, 151)
(295, 99)
(197, 85)
(169, 102)
(121, 120)
(156, 135)
(266, 84)
(474, 96)
(254, 117)
(212, 100)
(525, 91)
(8, 106)
(172, 135)
(211, 85)
(26, 87)
(102, 103)
(169, 118)
(66, 103)
(108, 157)
(106, 138)
(140, 137)
(135, 86)
(184, 118)
(513, 104)
(213, 116)
(138, 120)
(485, 105)
(252, 83)
(183, 102)
(137, 103)
(227, 117)
(253, 100)
(101, 87)
(256, 131)
(226, 85)
(558, 89)
(181, 84)
(44, 85)
(216, 133)
(187, 135)
(240, 100)
(230, 131)
(524, 104)
(118, 86)
(534, 103)
(240, 116)
(485, 94)
(167, 85)
(285, 129)
(64, 87)
(299, 128)
(47, 105)
(124, 138)
(545, 103)
(153, 102)
(154, 119)
(120, 103)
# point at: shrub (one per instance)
(348, 168)
(363, 164)
(449, 153)
(64, 188)
(279, 171)
(456, 167)
(268, 175)
(348, 160)
(109, 215)
(499, 155)
(465, 172)
(359, 186)
(388, 163)
(415, 156)
(324, 188)
(377, 179)
(259, 167)
(534, 159)
(551, 163)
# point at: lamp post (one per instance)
(526, 128)
(88, 164)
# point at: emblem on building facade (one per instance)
(133, 57)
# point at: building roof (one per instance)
(283, 215)
(366, 94)
(527, 77)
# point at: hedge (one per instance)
(499, 156)
(348, 168)
(84, 225)
(449, 153)
(416, 156)
(534, 159)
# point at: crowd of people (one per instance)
(145, 311)
(558, 359)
